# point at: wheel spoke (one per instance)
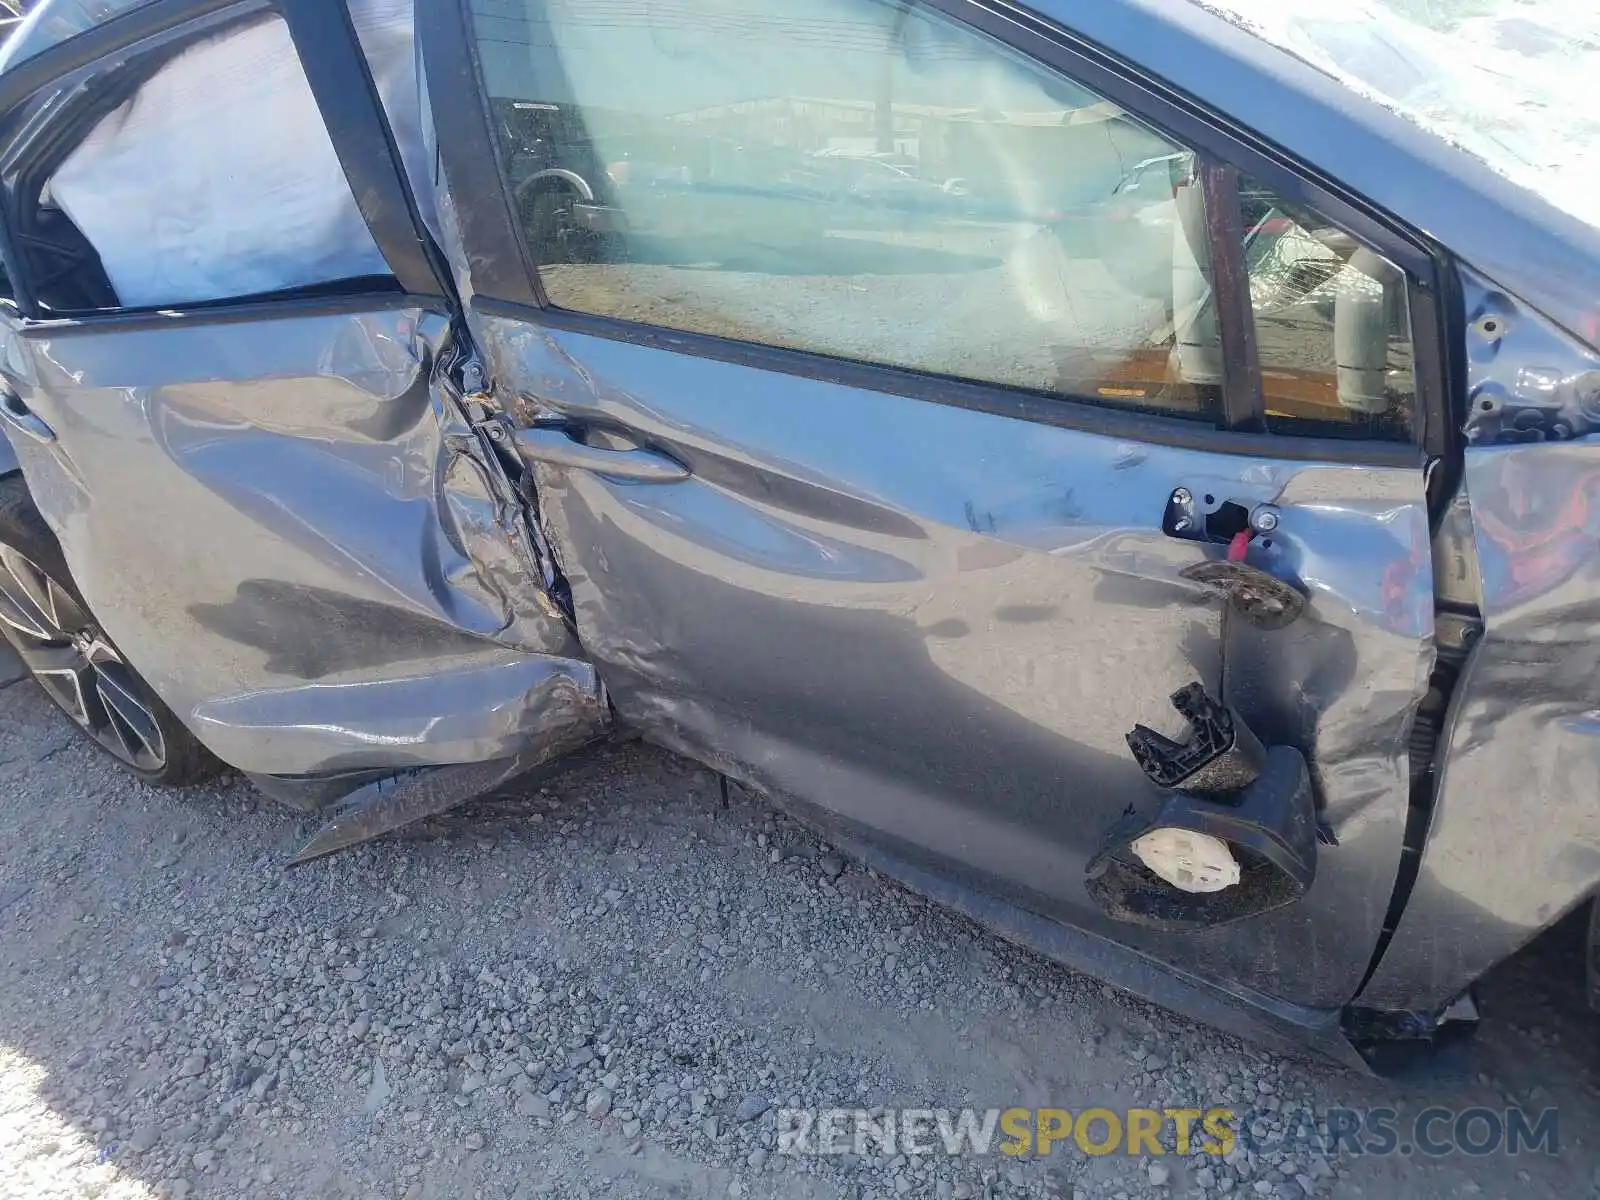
(26, 600)
(79, 670)
(68, 615)
(65, 673)
(52, 658)
(133, 725)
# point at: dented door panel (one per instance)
(1514, 838)
(1515, 835)
(934, 626)
(289, 526)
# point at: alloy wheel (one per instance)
(79, 669)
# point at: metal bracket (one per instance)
(1258, 596)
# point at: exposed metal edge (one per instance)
(395, 801)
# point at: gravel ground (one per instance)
(605, 987)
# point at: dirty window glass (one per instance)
(53, 21)
(1332, 326)
(856, 178)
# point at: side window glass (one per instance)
(1332, 326)
(858, 178)
(44, 25)
(214, 179)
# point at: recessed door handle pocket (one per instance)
(18, 416)
(562, 446)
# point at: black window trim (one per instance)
(336, 70)
(1243, 401)
(506, 280)
(274, 307)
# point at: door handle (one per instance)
(559, 446)
(20, 417)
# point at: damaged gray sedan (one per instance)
(1096, 466)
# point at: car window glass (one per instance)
(53, 21)
(214, 180)
(858, 178)
(1332, 326)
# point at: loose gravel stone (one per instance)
(599, 985)
(750, 1108)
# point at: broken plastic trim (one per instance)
(1220, 756)
(1271, 827)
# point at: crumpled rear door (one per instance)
(260, 460)
(292, 529)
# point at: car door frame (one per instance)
(506, 280)
(505, 283)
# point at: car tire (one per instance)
(115, 708)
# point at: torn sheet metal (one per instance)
(252, 197)
(395, 801)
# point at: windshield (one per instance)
(1509, 81)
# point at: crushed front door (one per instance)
(825, 380)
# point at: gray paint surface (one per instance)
(289, 526)
(931, 625)
(938, 626)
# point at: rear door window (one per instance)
(215, 179)
(1332, 325)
